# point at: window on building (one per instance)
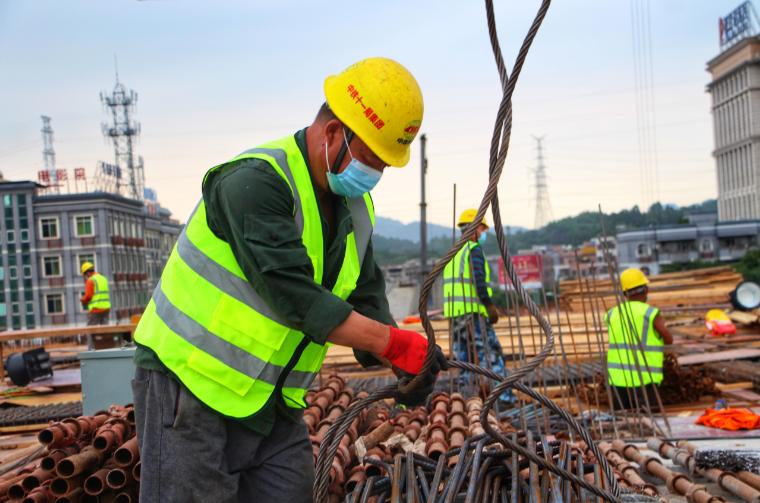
(54, 303)
(22, 212)
(12, 272)
(10, 234)
(26, 259)
(7, 200)
(24, 235)
(16, 322)
(2, 273)
(27, 271)
(49, 228)
(28, 294)
(23, 223)
(29, 321)
(29, 307)
(3, 310)
(83, 226)
(51, 267)
(15, 308)
(642, 250)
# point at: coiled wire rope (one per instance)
(498, 153)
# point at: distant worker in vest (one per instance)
(467, 303)
(274, 263)
(96, 298)
(637, 335)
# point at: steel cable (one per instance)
(498, 152)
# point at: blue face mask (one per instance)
(354, 181)
(482, 237)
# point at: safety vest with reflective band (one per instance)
(100, 297)
(208, 325)
(460, 295)
(627, 365)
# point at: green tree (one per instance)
(749, 265)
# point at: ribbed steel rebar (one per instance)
(499, 148)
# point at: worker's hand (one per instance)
(493, 313)
(406, 350)
(423, 390)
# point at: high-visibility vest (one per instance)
(636, 353)
(208, 325)
(460, 295)
(101, 299)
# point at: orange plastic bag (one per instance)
(730, 419)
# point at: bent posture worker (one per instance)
(637, 335)
(274, 262)
(96, 298)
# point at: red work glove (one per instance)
(406, 350)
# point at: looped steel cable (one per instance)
(497, 158)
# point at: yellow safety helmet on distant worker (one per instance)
(632, 278)
(468, 216)
(380, 101)
(86, 266)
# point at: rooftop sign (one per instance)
(737, 25)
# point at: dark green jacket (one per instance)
(250, 206)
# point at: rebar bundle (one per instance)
(608, 489)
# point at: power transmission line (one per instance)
(643, 76)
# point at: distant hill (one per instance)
(391, 248)
(391, 228)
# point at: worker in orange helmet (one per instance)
(274, 263)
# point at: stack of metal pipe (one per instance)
(439, 453)
(84, 459)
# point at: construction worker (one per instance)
(275, 262)
(637, 334)
(467, 303)
(96, 298)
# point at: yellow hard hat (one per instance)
(468, 216)
(632, 278)
(86, 266)
(380, 101)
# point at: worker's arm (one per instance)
(478, 260)
(369, 299)
(662, 330)
(89, 291)
(251, 207)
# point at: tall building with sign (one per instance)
(735, 92)
(45, 238)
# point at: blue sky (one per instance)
(215, 78)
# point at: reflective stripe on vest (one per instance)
(635, 355)
(211, 328)
(460, 294)
(101, 299)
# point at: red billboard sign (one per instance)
(529, 269)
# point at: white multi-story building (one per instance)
(735, 92)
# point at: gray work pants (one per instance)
(190, 453)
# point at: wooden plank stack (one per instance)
(678, 289)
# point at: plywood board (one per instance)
(718, 356)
